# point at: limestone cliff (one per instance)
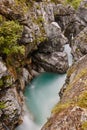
(32, 38)
(24, 25)
(71, 112)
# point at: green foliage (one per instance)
(57, 1)
(10, 32)
(84, 125)
(1, 19)
(82, 100)
(60, 107)
(2, 105)
(1, 82)
(25, 5)
(74, 3)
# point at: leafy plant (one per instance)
(10, 32)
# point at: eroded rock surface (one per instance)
(67, 18)
(54, 62)
(51, 55)
(79, 45)
(71, 112)
(10, 100)
(82, 11)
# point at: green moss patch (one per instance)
(1, 83)
(60, 107)
(82, 100)
(84, 125)
(2, 105)
(74, 3)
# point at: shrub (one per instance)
(10, 32)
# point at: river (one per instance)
(40, 97)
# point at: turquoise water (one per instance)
(40, 97)
(42, 94)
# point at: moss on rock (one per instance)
(84, 125)
(82, 100)
(74, 3)
(60, 107)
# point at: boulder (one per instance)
(56, 39)
(55, 62)
(50, 55)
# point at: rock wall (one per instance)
(16, 70)
(11, 100)
(71, 112)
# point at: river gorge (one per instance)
(41, 95)
(43, 65)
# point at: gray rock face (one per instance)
(10, 108)
(55, 62)
(11, 111)
(82, 11)
(63, 15)
(3, 69)
(56, 36)
(68, 20)
(54, 42)
(79, 45)
(5, 78)
(25, 75)
(56, 39)
(51, 56)
(71, 112)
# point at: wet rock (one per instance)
(54, 62)
(26, 75)
(71, 112)
(34, 73)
